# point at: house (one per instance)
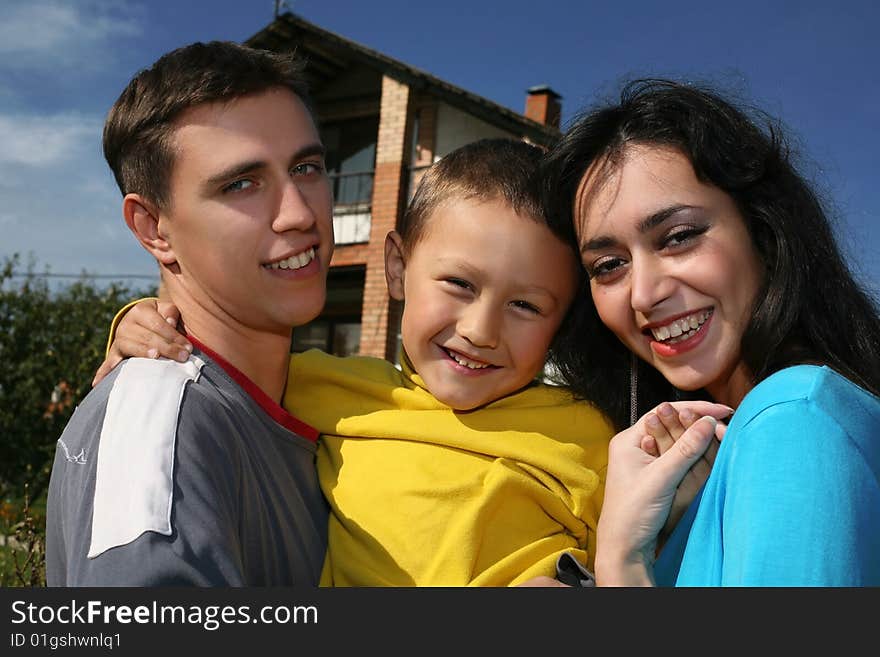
(383, 123)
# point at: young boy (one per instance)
(220, 165)
(461, 469)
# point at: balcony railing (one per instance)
(352, 195)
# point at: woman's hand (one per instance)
(147, 330)
(639, 492)
(665, 425)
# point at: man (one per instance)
(191, 473)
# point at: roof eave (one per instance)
(487, 110)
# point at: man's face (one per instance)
(250, 216)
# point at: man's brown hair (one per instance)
(139, 126)
(484, 170)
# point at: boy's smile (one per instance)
(467, 362)
(485, 290)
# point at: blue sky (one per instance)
(63, 63)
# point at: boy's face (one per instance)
(485, 290)
(250, 217)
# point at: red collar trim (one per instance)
(275, 410)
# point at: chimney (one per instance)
(543, 106)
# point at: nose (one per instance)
(650, 283)
(480, 324)
(294, 210)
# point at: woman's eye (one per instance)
(238, 185)
(682, 235)
(605, 267)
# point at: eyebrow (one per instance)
(243, 168)
(316, 148)
(645, 225)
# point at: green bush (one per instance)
(52, 340)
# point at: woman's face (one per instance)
(673, 271)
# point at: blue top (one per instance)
(794, 495)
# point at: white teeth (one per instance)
(295, 261)
(467, 363)
(681, 328)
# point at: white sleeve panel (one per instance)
(134, 485)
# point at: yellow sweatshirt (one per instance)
(422, 495)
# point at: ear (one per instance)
(145, 220)
(395, 265)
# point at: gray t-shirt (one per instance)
(171, 474)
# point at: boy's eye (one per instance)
(238, 185)
(525, 305)
(459, 282)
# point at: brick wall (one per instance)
(349, 254)
(392, 151)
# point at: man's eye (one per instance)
(306, 168)
(238, 185)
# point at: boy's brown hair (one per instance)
(484, 170)
(139, 127)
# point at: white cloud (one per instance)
(58, 201)
(63, 34)
(46, 140)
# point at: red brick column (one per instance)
(392, 155)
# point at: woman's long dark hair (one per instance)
(810, 307)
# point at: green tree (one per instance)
(51, 343)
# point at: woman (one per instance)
(712, 262)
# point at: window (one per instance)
(351, 159)
(340, 338)
(338, 329)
